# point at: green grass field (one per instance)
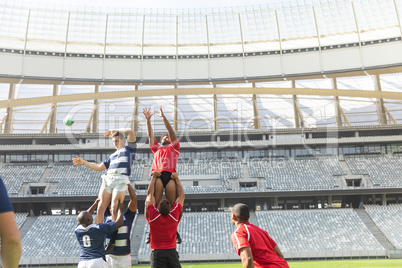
(304, 264)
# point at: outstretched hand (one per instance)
(161, 114)
(147, 114)
(78, 161)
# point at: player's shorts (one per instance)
(116, 261)
(165, 177)
(94, 263)
(165, 258)
(115, 183)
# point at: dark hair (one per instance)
(241, 212)
(164, 207)
(117, 133)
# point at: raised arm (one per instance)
(150, 193)
(278, 252)
(132, 205)
(92, 208)
(172, 134)
(128, 132)
(150, 132)
(79, 161)
(120, 217)
(180, 191)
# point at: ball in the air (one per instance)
(68, 120)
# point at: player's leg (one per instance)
(158, 191)
(105, 198)
(170, 192)
(117, 197)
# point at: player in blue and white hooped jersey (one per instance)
(118, 165)
(91, 237)
(120, 256)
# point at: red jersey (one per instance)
(261, 244)
(165, 157)
(163, 228)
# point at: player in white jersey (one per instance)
(91, 237)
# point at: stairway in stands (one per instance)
(27, 225)
(373, 228)
(137, 236)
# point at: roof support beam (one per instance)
(175, 122)
(338, 108)
(134, 120)
(382, 111)
(94, 115)
(299, 120)
(216, 125)
(200, 91)
(257, 120)
(10, 111)
(53, 118)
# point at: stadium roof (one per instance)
(68, 28)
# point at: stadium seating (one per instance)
(317, 230)
(225, 168)
(51, 236)
(306, 174)
(75, 180)
(15, 175)
(383, 171)
(388, 219)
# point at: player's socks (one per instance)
(178, 238)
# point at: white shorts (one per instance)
(94, 263)
(115, 261)
(115, 183)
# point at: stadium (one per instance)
(291, 107)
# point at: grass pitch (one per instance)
(385, 263)
(307, 264)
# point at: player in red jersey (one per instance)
(165, 160)
(253, 244)
(163, 221)
(165, 157)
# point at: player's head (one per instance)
(84, 218)
(118, 140)
(240, 213)
(165, 139)
(164, 207)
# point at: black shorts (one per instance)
(165, 258)
(165, 178)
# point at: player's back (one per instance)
(91, 239)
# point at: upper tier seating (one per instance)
(383, 171)
(15, 175)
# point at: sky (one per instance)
(156, 3)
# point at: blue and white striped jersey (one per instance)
(121, 160)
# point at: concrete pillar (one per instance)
(384, 199)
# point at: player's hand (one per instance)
(108, 133)
(174, 176)
(78, 161)
(156, 174)
(147, 114)
(161, 114)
